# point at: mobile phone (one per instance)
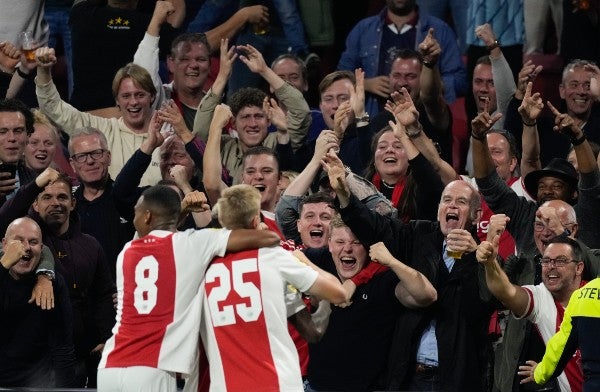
(8, 168)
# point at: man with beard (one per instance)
(36, 345)
(443, 346)
(401, 24)
(542, 304)
(79, 258)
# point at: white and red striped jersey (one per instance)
(158, 310)
(547, 315)
(244, 320)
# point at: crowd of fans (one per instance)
(434, 262)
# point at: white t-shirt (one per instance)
(158, 311)
(244, 320)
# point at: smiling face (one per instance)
(290, 71)
(483, 88)
(456, 209)
(553, 188)
(575, 90)
(135, 105)
(332, 97)
(500, 152)
(54, 205)
(251, 123)
(390, 158)
(262, 172)
(190, 65)
(13, 136)
(563, 280)
(90, 171)
(349, 255)
(313, 224)
(41, 147)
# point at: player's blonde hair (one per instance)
(238, 206)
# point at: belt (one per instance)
(421, 368)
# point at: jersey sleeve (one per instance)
(294, 271)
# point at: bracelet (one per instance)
(494, 45)
(413, 133)
(532, 124)
(24, 75)
(477, 137)
(578, 141)
(428, 64)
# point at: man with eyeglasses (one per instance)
(543, 304)
(102, 215)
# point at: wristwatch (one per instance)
(412, 133)
(363, 119)
(48, 273)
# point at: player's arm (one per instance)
(244, 239)
(326, 286)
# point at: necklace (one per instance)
(388, 186)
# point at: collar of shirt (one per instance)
(403, 28)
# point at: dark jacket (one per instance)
(461, 312)
(80, 260)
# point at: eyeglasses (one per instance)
(558, 262)
(540, 226)
(82, 157)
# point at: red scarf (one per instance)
(398, 188)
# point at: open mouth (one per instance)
(260, 187)
(451, 216)
(41, 157)
(348, 262)
(317, 234)
(390, 160)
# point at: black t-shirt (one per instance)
(105, 39)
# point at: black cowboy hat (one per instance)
(558, 168)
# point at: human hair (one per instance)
(484, 60)
(245, 97)
(87, 131)
(336, 223)
(238, 206)
(576, 63)
(314, 198)
(401, 54)
(333, 77)
(138, 74)
(15, 105)
(65, 179)
(407, 204)
(576, 251)
(260, 150)
(289, 174)
(171, 183)
(188, 39)
(295, 59)
(163, 201)
(42, 119)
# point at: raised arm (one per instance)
(212, 155)
(530, 109)
(414, 289)
(431, 93)
(483, 164)
(214, 96)
(514, 297)
(227, 29)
